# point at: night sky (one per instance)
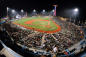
(39, 5)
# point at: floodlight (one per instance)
(76, 9)
(22, 10)
(34, 10)
(13, 11)
(43, 10)
(7, 8)
(52, 10)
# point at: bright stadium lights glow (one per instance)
(76, 9)
(22, 10)
(7, 8)
(34, 10)
(75, 12)
(43, 10)
(52, 10)
(34, 13)
(7, 11)
(44, 13)
(13, 11)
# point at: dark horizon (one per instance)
(29, 5)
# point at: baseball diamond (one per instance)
(41, 24)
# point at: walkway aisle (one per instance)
(43, 40)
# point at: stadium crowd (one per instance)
(55, 42)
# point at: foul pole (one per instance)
(54, 10)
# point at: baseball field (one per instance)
(41, 24)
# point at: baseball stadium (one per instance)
(42, 35)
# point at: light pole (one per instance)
(34, 13)
(22, 12)
(75, 11)
(34, 10)
(13, 11)
(53, 10)
(43, 10)
(51, 13)
(7, 11)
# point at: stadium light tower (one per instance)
(34, 10)
(7, 8)
(7, 11)
(75, 11)
(22, 10)
(22, 13)
(43, 10)
(34, 13)
(13, 11)
(53, 10)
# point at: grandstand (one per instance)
(44, 34)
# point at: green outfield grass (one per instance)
(40, 23)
